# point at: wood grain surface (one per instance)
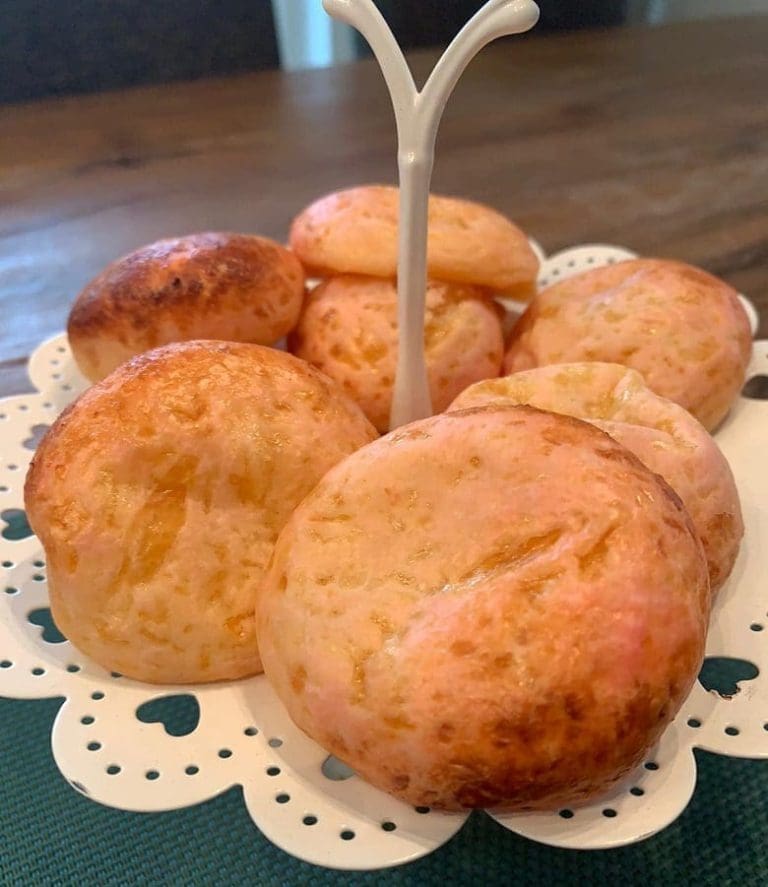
(656, 139)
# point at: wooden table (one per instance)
(655, 139)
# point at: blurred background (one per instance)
(64, 47)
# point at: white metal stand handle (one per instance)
(418, 116)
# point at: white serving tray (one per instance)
(245, 737)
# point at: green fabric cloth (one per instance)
(52, 835)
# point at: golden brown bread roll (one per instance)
(663, 435)
(682, 329)
(497, 607)
(233, 287)
(158, 496)
(348, 329)
(355, 232)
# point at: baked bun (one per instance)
(490, 608)
(234, 287)
(681, 328)
(158, 496)
(664, 436)
(355, 232)
(348, 329)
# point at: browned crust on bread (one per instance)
(159, 493)
(355, 232)
(185, 288)
(530, 616)
(682, 328)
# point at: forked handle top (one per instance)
(418, 115)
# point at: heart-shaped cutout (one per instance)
(723, 675)
(16, 524)
(756, 388)
(179, 714)
(42, 617)
(37, 433)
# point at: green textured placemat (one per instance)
(52, 835)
